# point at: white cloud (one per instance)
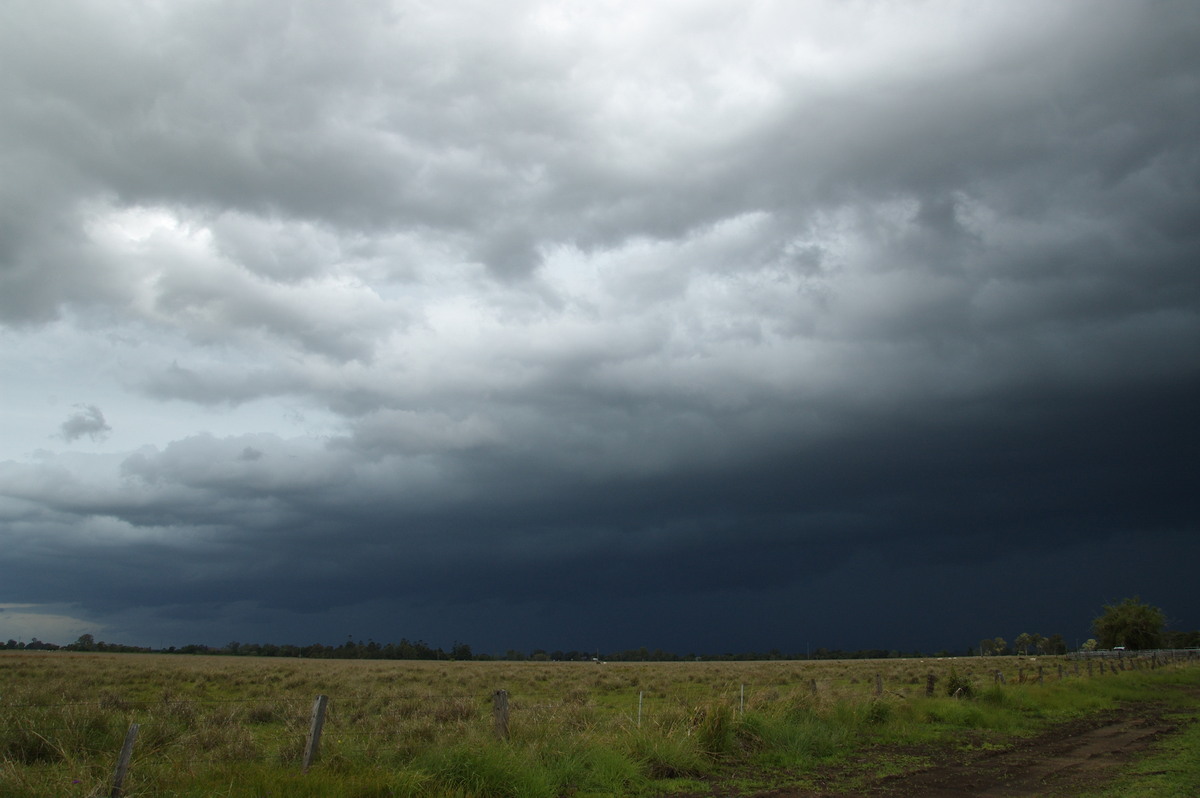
(46, 622)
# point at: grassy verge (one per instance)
(1171, 768)
(1171, 771)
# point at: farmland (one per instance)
(240, 726)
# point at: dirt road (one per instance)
(1062, 761)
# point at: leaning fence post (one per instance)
(118, 788)
(313, 749)
(500, 713)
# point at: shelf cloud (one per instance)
(708, 327)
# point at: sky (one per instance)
(703, 326)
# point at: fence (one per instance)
(1155, 655)
(292, 731)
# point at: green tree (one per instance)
(84, 643)
(1131, 624)
(1023, 641)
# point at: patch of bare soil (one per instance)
(1065, 760)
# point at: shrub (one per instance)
(958, 686)
(879, 712)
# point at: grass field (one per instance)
(237, 726)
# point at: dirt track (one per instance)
(1062, 761)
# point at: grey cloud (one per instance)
(702, 309)
(217, 384)
(87, 420)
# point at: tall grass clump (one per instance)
(487, 771)
(666, 756)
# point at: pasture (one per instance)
(239, 726)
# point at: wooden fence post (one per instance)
(500, 713)
(812, 686)
(118, 787)
(879, 684)
(929, 682)
(1041, 675)
(313, 749)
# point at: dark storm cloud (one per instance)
(604, 318)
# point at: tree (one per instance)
(84, 643)
(1024, 640)
(1131, 624)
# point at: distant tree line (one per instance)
(1025, 644)
(84, 643)
(420, 650)
(1129, 624)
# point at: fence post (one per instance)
(313, 749)
(500, 713)
(640, 694)
(929, 682)
(879, 684)
(1041, 675)
(812, 686)
(118, 788)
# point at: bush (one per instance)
(958, 686)
(879, 712)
